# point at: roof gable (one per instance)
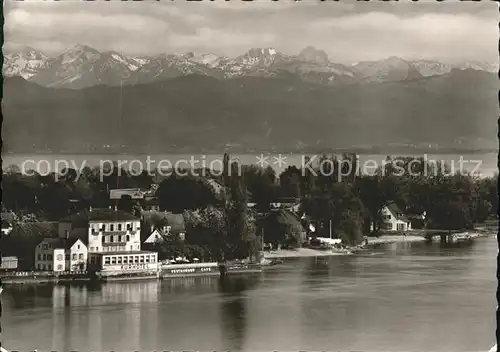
(396, 211)
(153, 236)
(76, 241)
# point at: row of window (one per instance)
(129, 259)
(46, 267)
(60, 257)
(117, 248)
(119, 238)
(46, 246)
(112, 227)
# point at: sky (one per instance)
(347, 31)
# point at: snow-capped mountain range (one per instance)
(82, 66)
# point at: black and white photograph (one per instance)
(240, 176)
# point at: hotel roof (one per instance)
(99, 214)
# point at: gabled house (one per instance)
(7, 219)
(160, 226)
(394, 219)
(6, 227)
(61, 254)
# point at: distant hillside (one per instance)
(201, 113)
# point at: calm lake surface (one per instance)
(400, 297)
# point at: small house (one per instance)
(394, 219)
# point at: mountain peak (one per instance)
(80, 51)
(261, 52)
(81, 47)
(310, 53)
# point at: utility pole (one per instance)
(262, 240)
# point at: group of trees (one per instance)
(221, 226)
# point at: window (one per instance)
(78, 247)
(103, 227)
(93, 230)
(49, 257)
(128, 238)
(119, 260)
(153, 259)
(43, 267)
(119, 238)
(50, 267)
(113, 260)
(103, 239)
(106, 260)
(129, 227)
(111, 227)
(136, 259)
(66, 257)
(45, 246)
(130, 260)
(141, 259)
(59, 257)
(111, 239)
(80, 256)
(59, 267)
(39, 266)
(147, 259)
(39, 256)
(125, 261)
(73, 257)
(119, 227)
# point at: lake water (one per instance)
(400, 297)
(479, 164)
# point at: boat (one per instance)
(239, 268)
(463, 237)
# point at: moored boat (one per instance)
(239, 268)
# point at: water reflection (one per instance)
(234, 311)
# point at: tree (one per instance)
(291, 182)
(241, 239)
(261, 183)
(178, 193)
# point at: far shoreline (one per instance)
(372, 241)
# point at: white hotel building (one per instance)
(113, 239)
